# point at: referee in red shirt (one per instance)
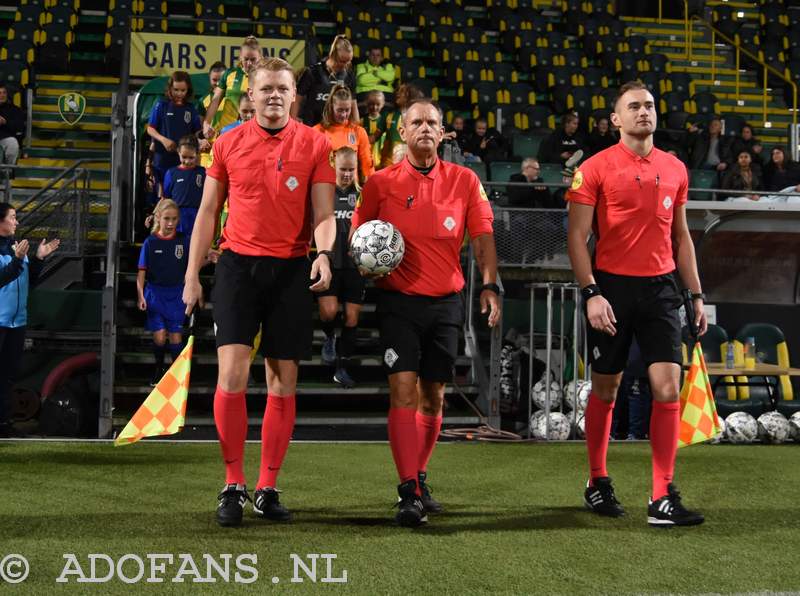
(279, 182)
(632, 196)
(421, 307)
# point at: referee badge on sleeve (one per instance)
(577, 180)
(483, 192)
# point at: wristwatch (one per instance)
(491, 287)
(327, 253)
(590, 291)
(696, 295)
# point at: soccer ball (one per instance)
(721, 436)
(741, 428)
(794, 426)
(583, 391)
(377, 247)
(534, 423)
(539, 392)
(559, 427)
(773, 427)
(580, 426)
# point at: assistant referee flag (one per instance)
(699, 421)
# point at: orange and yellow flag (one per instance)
(699, 421)
(164, 410)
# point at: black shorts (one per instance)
(645, 308)
(347, 285)
(420, 334)
(269, 292)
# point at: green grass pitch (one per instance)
(514, 522)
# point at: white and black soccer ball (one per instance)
(539, 393)
(721, 436)
(794, 426)
(559, 427)
(377, 247)
(741, 428)
(534, 421)
(584, 388)
(580, 426)
(773, 427)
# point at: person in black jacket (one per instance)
(561, 144)
(707, 147)
(742, 176)
(537, 197)
(17, 272)
(12, 128)
(745, 141)
(780, 172)
(485, 144)
(602, 137)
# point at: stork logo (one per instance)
(292, 183)
(667, 202)
(449, 223)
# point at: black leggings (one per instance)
(12, 342)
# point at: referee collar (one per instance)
(285, 132)
(635, 156)
(408, 166)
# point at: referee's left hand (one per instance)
(490, 302)
(321, 267)
(700, 317)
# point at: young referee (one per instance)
(277, 176)
(421, 307)
(632, 196)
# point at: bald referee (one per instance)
(633, 197)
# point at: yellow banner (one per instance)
(161, 54)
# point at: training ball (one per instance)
(539, 392)
(741, 428)
(559, 427)
(773, 427)
(580, 426)
(534, 422)
(721, 436)
(794, 426)
(377, 247)
(584, 388)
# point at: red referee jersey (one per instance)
(432, 212)
(634, 199)
(269, 180)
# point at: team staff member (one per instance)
(232, 86)
(633, 196)
(277, 176)
(433, 203)
(318, 80)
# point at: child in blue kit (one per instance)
(184, 184)
(173, 117)
(159, 283)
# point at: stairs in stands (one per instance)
(669, 38)
(55, 145)
(323, 406)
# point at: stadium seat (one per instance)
(428, 87)
(702, 179)
(732, 124)
(14, 72)
(501, 171)
(503, 74)
(678, 81)
(771, 348)
(705, 102)
(525, 145)
(487, 54)
(658, 63)
(676, 120)
(479, 168)
(574, 58)
(18, 50)
(637, 45)
(472, 36)
(555, 40)
(465, 72)
(594, 76)
(551, 172)
(559, 95)
(580, 100)
(673, 101)
(410, 69)
(397, 50)
(484, 95)
(540, 118)
(455, 52)
(521, 94)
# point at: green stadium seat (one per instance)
(18, 50)
(701, 179)
(551, 172)
(524, 145)
(479, 168)
(501, 171)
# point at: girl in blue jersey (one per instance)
(184, 184)
(173, 117)
(159, 284)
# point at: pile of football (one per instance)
(741, 428)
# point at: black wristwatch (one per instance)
(590, 291)
(492, 288)
(696, 295)
(327, 253)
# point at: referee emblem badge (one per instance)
(577, 180)
(390, 357)
(596, 352)
(449, 223)
(667, 202)
(292, 183)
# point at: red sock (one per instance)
(230, 416)
(276, 432)
(403, 440)
(428, 428)
(664, 424)
(598, 426)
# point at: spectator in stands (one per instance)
(12, 128)
(456, 132)
(485, 144)
(17, 273)
(173, 117)
(184, 184)
(341, 127)
(247, 109)
(538, 197)
(560, 145)
(706, 147)
(745, 142)
(742, 176)
(602, 136)
(214, 76)
(232, 85)
(159, 283)
(375, 75)
(394, 147)
(374, 122)
(316, 82)
(780, 172)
